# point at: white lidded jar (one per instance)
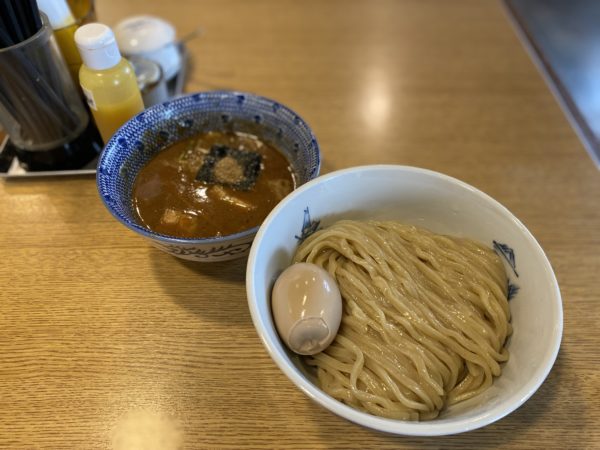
(152, 38)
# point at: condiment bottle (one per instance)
(83, 10)
(155, 39)
(64, 28)
(108, 80)
(150, 81)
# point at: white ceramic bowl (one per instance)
(441, 204)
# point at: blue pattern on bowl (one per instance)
(513, 289)
(160, 126)
(508, 254)
(308, 226)
(218, 251)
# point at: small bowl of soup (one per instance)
(197, 175)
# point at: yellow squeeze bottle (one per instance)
(107, 79)
(64, 27)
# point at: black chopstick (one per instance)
(21, 16)
(10, 20)
(24, 17)
(34, 14)
(19, 20)
(5, 37)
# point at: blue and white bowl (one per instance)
(444, 205)
(160, 126)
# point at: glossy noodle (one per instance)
(425, 318)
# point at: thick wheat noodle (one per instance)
(425, 320)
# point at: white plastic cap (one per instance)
(144, 34)
(58, 12)
(97, 46)
(152, 38)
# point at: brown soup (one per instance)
(210, 185)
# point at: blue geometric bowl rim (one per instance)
(212, 240)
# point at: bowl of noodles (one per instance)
(452, 315)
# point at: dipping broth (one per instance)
(210, 185)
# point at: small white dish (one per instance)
(441, 204)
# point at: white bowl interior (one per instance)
(441, 204)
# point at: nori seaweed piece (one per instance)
(249, 161)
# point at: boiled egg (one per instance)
(307, 308)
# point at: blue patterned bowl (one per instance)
(160, 126)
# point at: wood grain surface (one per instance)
(106, 342)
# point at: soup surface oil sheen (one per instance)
(171, 198)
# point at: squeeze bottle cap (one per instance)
(97, 46)
(58, 13)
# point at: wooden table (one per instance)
(106, 342)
